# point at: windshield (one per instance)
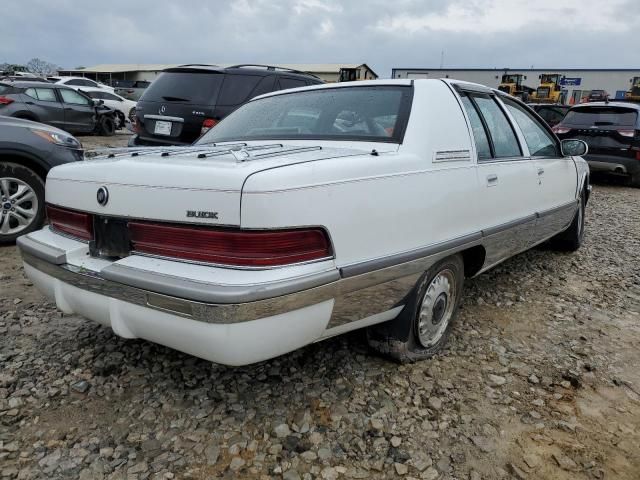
(373, 114)
(191, 87)
(597, 116)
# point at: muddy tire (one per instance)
(21, 201)
(424, 325)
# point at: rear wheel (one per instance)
(21, 201)
(422, 328)
(634, 181)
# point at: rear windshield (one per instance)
(601, 116)
(6, 89)
(185, 87)
(374, 114)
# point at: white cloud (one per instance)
(306, 6)
(498, 16)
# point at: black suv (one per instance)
(184, 102)
(612, 131)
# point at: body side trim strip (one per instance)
(393, 260)
(506, 226)
(552, 211)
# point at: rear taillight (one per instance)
(625, 132)
(207, 125)
(559, 130)
(71, 222)
(5, 100)
(230, 247)
(637, 154)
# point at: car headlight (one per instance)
(58, 138)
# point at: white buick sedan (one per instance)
(308, 213)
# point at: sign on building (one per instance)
(570, 82)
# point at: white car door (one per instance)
(557, 174)
(508, 199)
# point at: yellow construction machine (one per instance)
(512, 84)
(633, 95)
(549, 90)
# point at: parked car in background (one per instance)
(23, 78)
(123, 108)
(80, 82)
(551, 113)
(131, 89)
(612, 131)
(28, 150)
(184, 102)
(308, 213)
(597, 96)
(56, 105)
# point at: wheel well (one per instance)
(473, 260)
(26, 161)
(26, 116)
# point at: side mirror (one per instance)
(574, 148)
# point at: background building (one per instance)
(578, 83)
(334, 72)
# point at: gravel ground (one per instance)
(540, 380)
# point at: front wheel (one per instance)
(423, 326)
(107, 126)
(571, 239)
(22, 201)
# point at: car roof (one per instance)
(26, 84)
(633, 106)
(262, 70)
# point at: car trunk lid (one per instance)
(200, 185)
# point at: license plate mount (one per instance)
(110, 238)
(162, 128)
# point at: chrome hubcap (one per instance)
(19, 206)
(436, 309)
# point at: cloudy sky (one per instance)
(382, 33)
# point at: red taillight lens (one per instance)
(558, 130)
(638, 155)
(76, 224)
(208, 124)
(5, 100)
(230, 247)
(625, 132)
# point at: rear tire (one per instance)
(106, 127)
(21, 201)
(634, 181)
(424, 325)
(571, 239)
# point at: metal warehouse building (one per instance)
(577, 83)
(333, 72)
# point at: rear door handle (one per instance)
(492, 180)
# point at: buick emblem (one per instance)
(102, 196)
(163, 109)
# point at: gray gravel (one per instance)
(540, 380)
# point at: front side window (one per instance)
(539, 141)
(73, 97)
(505, 143)
(374, 114)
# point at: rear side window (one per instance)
(286, 82)
(190, 87)
(7, 89)
(503, 138)
(237, 89)
(479, 134)
(46, 94)
(602, 116)
(539, 141)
